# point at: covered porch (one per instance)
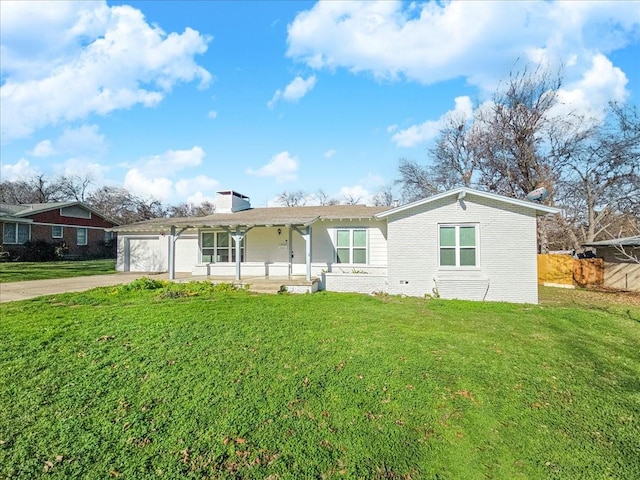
(259, 284)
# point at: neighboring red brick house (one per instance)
(76, 226)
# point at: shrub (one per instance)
(39, 251)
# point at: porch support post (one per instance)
(238, 236)
(172, 253)
(172, 250)
(306, 236)
(290, 252)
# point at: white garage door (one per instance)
(146, 254)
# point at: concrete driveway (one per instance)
(10, 292)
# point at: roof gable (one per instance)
(462, 192)
(28, 209)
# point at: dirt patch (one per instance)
(588, 297)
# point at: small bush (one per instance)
(143, 283)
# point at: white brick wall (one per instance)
(354, 282)
(507, 268)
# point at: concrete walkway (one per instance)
(11, 292)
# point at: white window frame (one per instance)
(86, 236)
(351, 247)
(16, 233)
(231, 248)
(53, 231)
(457, 247)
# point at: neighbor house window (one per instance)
(351, 245)
(56, 231)
(16, 233)
(219, 247)
(82, 236)
(109, 236)
(458, 246)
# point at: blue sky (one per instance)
(177, 99)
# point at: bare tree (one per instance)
(455, 154)
(350, 199)
(191, 210)
(514, 134)
(325, 199)
(123, 206)
(384, 198)
(600, 185)
(416, 181)
(292, 199)
(17, 192)
(75, 187)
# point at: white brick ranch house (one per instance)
(463, 243)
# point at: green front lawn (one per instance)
(19, 271)
(175, 383)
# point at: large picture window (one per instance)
(458, 246)
(17, 233)
(219, 247)
(351, 245)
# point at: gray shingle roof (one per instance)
(270, 216)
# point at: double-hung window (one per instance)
(351, 245)
(458, 246)
(17, 233)
(81, 236)
(56, 231)
(219, 247)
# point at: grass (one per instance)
(150, 381)
(19, 271)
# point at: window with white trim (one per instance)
(458, 245)
(351, 245)
(16, 233)
(81, 236)
(56, 231)
(220, 247)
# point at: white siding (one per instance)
(187, 252)
(506, 270)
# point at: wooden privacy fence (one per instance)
(564, 270)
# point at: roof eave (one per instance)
(540, 210)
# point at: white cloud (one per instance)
(172, 160)
(329, 153)
(431, 128)
(82, 167)
(42, 149)
(160, 188)
(110, 55)
(436, 41)
(282, 167)
(293, 92)
(151, 177)
(197, 189)
(19, 170)
(602, 83)
(84, 141)
(212, 114)
(358, 193)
